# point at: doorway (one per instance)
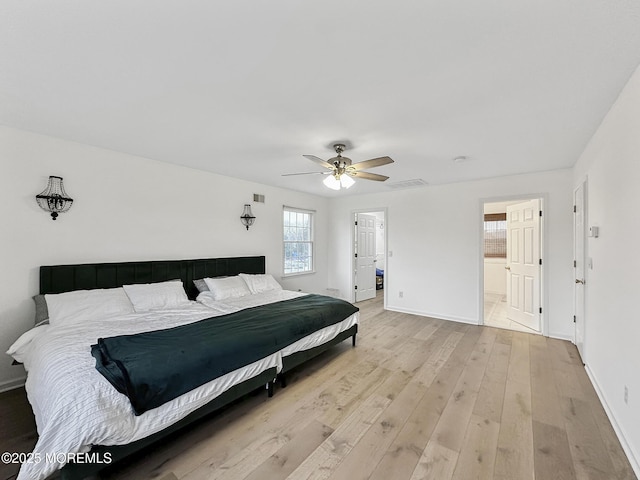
(512, 264)
(369, 254)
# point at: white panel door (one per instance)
(365, 260)
(579, 234)
(523, 263)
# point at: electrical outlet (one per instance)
(626, 394)
(401, 294)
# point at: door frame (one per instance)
(585, 252)
(352, 250)
(544, 317)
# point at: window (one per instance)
(298, 241)
(495, 235)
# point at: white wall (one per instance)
(495, 276)
(611, 162)
(434, 234)
(126, 208)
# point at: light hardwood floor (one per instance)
(495, 314)
(417, 398)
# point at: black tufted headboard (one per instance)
(65, 278)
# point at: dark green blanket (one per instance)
(152, 368)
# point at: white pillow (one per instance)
(150, 296)
(227, 287)
(22, 347)
(87, 305)
(261, 282)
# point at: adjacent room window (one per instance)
(495, 235)
(298, 241)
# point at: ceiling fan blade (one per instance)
(319, 161)
(369, 176)
(374, 162)
(305, 173)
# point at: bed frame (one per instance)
(65, 278)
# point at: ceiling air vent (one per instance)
(258, 198)
(417, 182)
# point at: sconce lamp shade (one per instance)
(247, 217)
(54, 199)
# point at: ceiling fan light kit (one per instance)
(338, 182)
(342, 169)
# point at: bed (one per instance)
(107, 425)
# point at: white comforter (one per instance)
(76, 407)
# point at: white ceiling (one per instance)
(245, 88)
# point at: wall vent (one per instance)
(258, 198)
(417, 182)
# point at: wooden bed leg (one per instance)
(353, 340)
(283, 380)
(270, 389)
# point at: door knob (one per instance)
(507, 268)
(580, 281)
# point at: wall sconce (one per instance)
(247, 217)
(54, 199)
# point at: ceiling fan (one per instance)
(341, 169)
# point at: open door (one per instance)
(365, 261)
(523, 263)
(579, 234)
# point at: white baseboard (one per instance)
(11, 384)
(469, 321)
(561, 336)
(616, 427)
(495, 293)
(437, 316)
